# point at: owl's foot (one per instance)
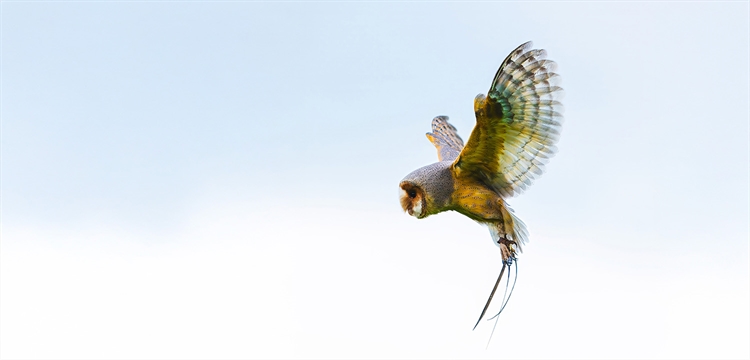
(507, 250)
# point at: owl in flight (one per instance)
(518, 124)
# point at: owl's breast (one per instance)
(476, 201)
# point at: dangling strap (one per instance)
(489, 300)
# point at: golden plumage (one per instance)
(517, 126)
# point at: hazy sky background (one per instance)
(220, 179)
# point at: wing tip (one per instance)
(525, 46)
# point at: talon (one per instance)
(507, 249)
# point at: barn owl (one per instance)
(517, 126)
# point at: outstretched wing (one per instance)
(445, 138)
(518, 124)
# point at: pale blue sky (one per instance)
(219, 179)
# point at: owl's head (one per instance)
(413, 199)
(427, 190)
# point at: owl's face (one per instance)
(413, 199)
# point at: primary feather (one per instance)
(518, 124)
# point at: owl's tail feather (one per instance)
(512, 233)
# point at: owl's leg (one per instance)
(511, 232)
(507, 249)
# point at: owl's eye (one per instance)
(412, 194)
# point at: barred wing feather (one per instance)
(518, 124)
(445, 138)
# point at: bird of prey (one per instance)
(517, 125)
